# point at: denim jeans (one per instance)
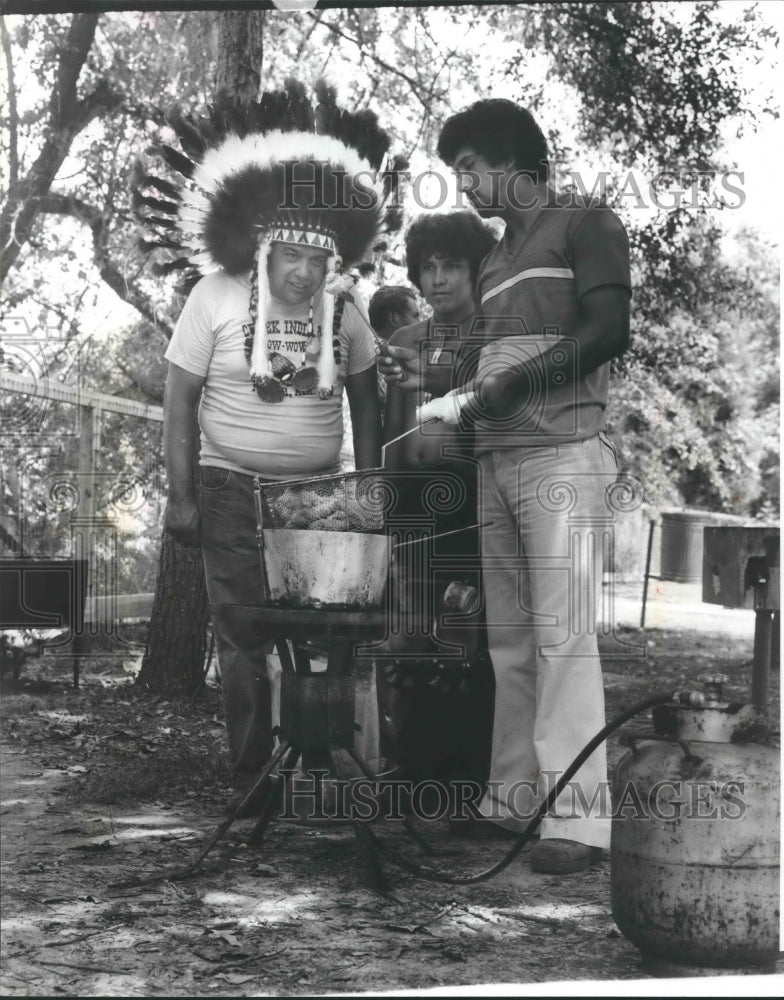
(233, 574)
(551, 513)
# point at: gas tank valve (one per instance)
(705, 716)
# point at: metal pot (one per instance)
(322, 569)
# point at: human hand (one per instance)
(400, 367)
(183, 521)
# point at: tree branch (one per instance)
(13, 113)
(410, 80)
(70, 322)
(317, 18)
(73, 54)
(67, 117)
(60, 204)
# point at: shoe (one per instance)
(555, 856)
(254, 806)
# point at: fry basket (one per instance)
(322, 540)
(347, 501)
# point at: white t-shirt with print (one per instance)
(300, 436)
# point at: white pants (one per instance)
(542, 557)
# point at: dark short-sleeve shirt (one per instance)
(529, 301)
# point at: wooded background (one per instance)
(620, 87)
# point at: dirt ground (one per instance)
(107, 785)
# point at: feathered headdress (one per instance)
(276, 169)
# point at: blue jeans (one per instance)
(233, 574)
(552, 516)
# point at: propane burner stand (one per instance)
(316, 712)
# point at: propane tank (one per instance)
(695, 838)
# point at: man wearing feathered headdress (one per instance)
(278, 198)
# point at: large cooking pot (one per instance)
(325, 569)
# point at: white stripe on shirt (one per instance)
(531, 272)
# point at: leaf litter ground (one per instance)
(109, 785)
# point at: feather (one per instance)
(299, 115)
(393, 175)
(154, 220)
(186, 286)
(191, 220)
(325, 92)
(233, 157)
(327, 119)
(211, 130)
(176, 160)
(148, 245)
(369, 141)
(230, 119)
(173, 265)
(270, 112)
(295, 88)
(204, 261)
(161, 185)
(138, 200)
(191, 140)
(393, 219)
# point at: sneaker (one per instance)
(555, 856)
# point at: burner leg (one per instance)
(365, 839)
(263, 775)
(408, 825)
(274, 800)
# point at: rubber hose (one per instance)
(435, 875)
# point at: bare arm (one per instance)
(180, 447)
(362, 392)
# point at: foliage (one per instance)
(658, 80)
(643, 85)
(695, 401)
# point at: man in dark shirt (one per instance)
(554, 310)
(437, 714)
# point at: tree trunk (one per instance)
(240, 53)
(178, 627)
(177, 642)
